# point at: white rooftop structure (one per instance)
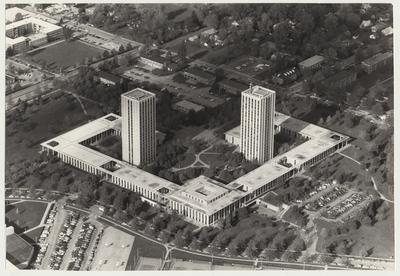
(204, 195)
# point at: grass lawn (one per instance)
(379, 237)
(45, 121)
(63, 54)
(26, 214)
(110, 146)
(214, 159)
(186, 134)
(189, 159)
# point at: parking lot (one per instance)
(347, 206)
(199, 95)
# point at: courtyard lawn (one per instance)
(63, 54)
(110, 145)
(189, 159)
(25, 215)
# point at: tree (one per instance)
(331, 24)
(9, 52)
(211, 20)
(106, 54)
(18, 16)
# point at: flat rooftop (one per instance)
(311, 61)
(69, 144)
(138, 94)
(235, 132)
(12, 12)
(189, 105)
(259, 91)
(378, 58)
(47, 27)
(204, 188)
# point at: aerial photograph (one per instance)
(199, 136)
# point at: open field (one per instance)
(64, 54)
(25, 215)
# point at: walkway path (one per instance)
(196, 160)
(78, 99)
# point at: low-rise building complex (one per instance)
(203, 201)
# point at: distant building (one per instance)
(187, 106)
(233, 136)
(378, 27)
(342, 79)
(108, 79)
(195, 74)
(311, 64)
(377, 61)
(29, 32)
(286, 77)
(232, 87)
(193, 38)
(138, 112)
(272, 201)
(387, 31)
(365, 24)
(209, 32)
(153, 61)
(345, 63)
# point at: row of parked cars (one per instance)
(96, 243)
(325, 199)
(344, 206)
(81, 245)
(63, 239)
(44, 235)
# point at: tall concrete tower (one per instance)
(257, 124)
(138, 111)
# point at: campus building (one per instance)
(257, 124)
(311, 64)
(29, 32)
(202, 201)
(138, 110)
(377, 61)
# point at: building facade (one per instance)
(138, 110)
(377, 61)
(257, 124)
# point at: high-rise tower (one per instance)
(257, 124)
(138, 111)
